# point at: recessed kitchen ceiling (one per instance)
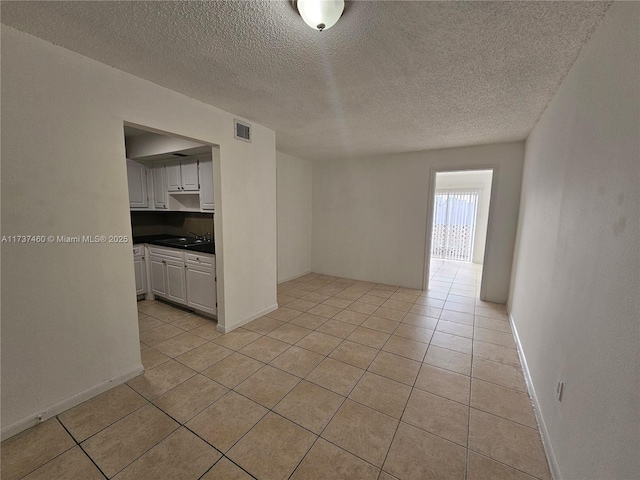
(389, 77)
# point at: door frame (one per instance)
(217, 213)
(490, 217)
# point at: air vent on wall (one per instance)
(242, 131)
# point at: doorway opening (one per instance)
(454, 224)
(171, 183)
(459, 220)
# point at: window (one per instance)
(454, 224)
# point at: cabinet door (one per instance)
(201, 288)
(158, 279)
(189, 172)
(174, 179)
(176, 290)
(140, 268)
(137, 179)
(206, 184)
(159, 186)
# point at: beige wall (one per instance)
(69, 323)
(294, 216)
(370, 214)
(576, 289)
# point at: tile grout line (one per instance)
(345, 398)
(299, 381)
(82, 449)
(466, 466)
(325, 356)
(342, 340)
(413, 387)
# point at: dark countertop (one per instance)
(157, 240)
(152, 238)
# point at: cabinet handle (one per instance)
(164, 261)
(198, 259)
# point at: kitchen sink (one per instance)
(183, 242)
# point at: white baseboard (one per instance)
(294, 277)
(227, 328)
(66, 404)
(544, 433)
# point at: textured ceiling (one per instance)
(388, 77)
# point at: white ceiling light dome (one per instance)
(320, 14)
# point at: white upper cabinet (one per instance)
(182, 175)
(189, 173)
(184, 184)
(206, 185)
(137, 178)
(174, 176)
(159, 186)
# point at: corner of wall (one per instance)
(229, 326)
(70, 402)
(542, 427)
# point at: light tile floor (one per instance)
(347, 379)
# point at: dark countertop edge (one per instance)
(157, 239)
(210, 249)
(152, 238)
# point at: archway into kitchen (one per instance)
(457, 227)
(172, 182)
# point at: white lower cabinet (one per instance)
(184, 278)
(176, 290)
(201, 283)
(158, 280)
(140, 269)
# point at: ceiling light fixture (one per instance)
(320, 14)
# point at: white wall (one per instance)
(370, 214)
(69, 324)
(576, 289)
(294, 216)
(472, 179)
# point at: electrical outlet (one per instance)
(559, 389)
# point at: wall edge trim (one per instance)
(542, 427)
(297, 275)
(69, 402)
(226, 328)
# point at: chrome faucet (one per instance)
(198, 237)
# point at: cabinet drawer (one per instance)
(138, 250)
(170, 253)
(201, 259)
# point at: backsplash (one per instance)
(172, 223)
